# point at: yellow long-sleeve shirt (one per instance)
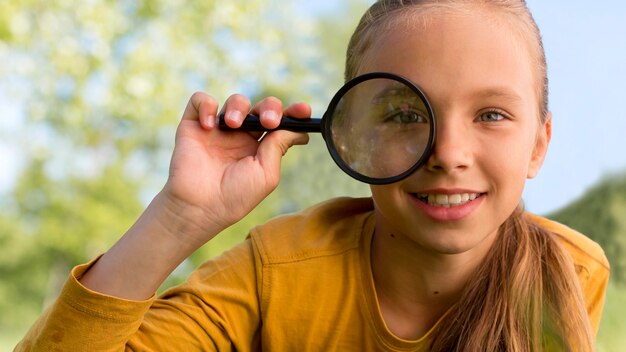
(299, 283)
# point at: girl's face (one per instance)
(480, 79)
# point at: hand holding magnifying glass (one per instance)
(379, 127)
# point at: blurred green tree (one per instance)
(101, 85)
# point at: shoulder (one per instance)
(331, 227)
(585, 252)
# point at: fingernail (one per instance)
(235, 116)
(210, 121)
(270, 115)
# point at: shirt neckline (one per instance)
(370, 305)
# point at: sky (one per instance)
(587, 71)
(586, 56)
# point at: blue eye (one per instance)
(491, 116)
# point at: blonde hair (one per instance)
(526, 295)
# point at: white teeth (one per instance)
(448, 200)
(455, 198)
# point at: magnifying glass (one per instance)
(379, 127)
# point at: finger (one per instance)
(270, 111)
(299, 110)
(235, 109)
(273, 147)
(201, 107)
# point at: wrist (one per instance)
(186, 225)
(162, 238)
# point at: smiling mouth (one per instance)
(446, 200)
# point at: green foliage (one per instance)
(601, 215)
(60, 224)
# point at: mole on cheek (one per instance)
(392, 235)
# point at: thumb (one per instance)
(273, 147)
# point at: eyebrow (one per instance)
(502, 93)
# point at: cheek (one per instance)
(507, 160)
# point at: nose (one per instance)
(452, 150)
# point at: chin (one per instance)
(449, 248)
(453, 243)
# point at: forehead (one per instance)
(459, 46)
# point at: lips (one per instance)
(448, 205)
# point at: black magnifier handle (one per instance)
(253, 123)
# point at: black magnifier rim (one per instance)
(328, 135)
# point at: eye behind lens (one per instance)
(379, 128)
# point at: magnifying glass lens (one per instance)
(381, 129)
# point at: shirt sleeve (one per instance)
(216, 309)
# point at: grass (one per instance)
(612, 334)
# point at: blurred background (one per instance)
(91, 92)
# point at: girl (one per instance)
(444, 260)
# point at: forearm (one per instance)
(143, 258)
